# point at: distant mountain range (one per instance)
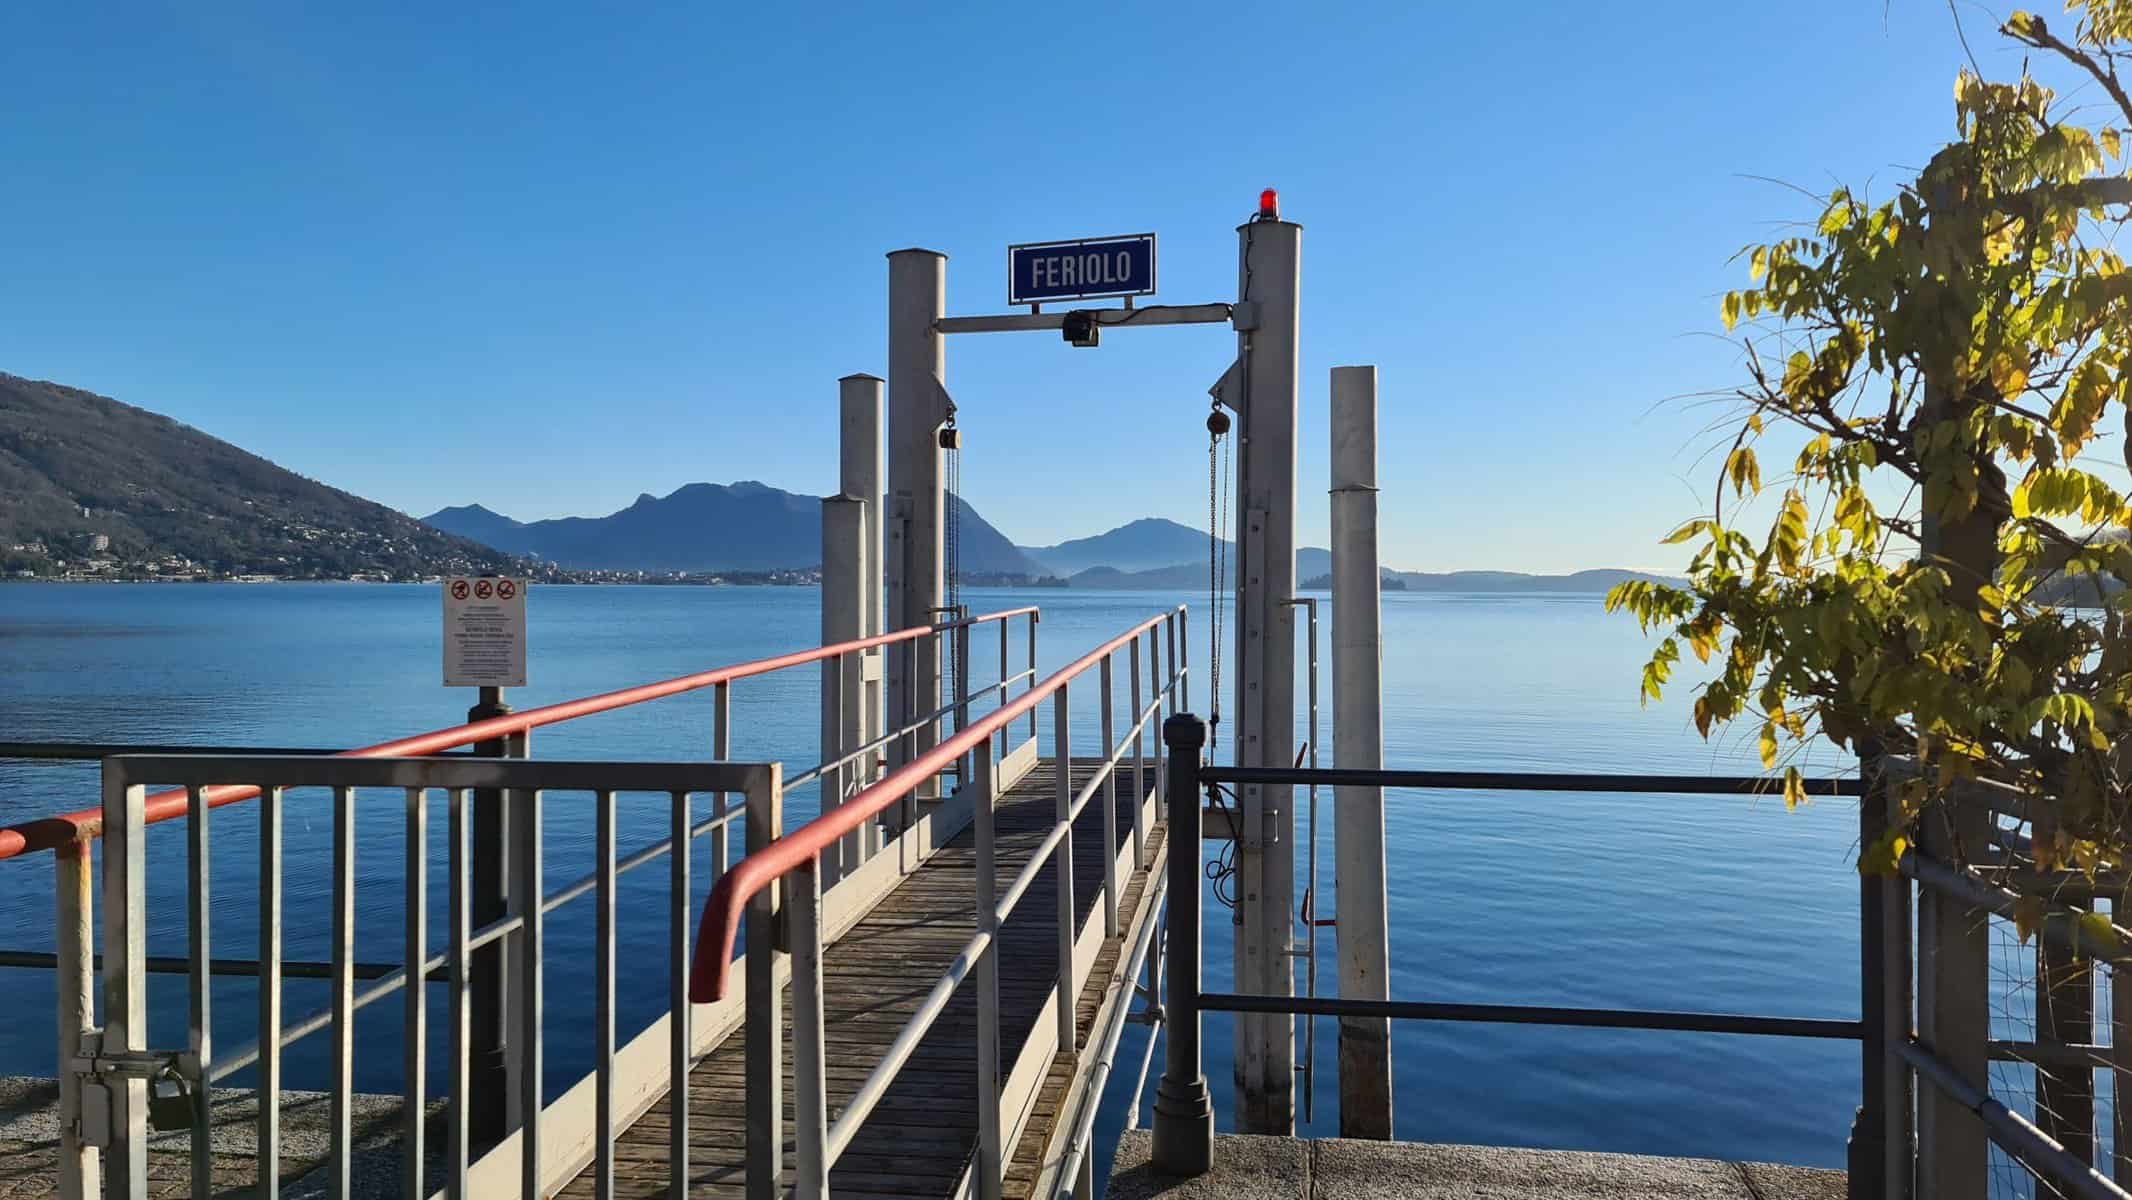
(746, 526)
(752, 526)
(1140, 545)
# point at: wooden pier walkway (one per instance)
(920, 1140)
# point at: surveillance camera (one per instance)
(1081, 328)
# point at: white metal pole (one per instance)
(80, 1168)
(917, 408)
(861, 475)
(843, 619)
(1270, 277)
(1358, 742)
(125, 971)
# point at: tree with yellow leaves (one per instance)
(1962, 345)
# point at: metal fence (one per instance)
(502, 1099)
(119, 1074)
(1886, 1161)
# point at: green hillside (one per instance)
(92, 487)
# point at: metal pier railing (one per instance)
(794, 861)
(108, 1075)
(1884, 1161)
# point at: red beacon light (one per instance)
(1269, 205)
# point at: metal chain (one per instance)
(1217, 516)
(952, 439)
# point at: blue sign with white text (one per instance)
(1082, 270)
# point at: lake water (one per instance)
(1613, 901)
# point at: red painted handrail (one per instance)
(730, 895)
(51, 832)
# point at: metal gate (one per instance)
(128, 1086)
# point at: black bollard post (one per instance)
(1184, 1110)
(488, 1115)
(1867, 1152)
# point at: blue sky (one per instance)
(547, 257)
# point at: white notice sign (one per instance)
(484, 631)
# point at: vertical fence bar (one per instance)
(962, 693)
(341, 1164)
(456, 1152)
(125, 977)
(1140, 730)
(1005, 638)
(1868, 1151)
(1032, 674)
(990, 1170)
(526, 839)
(414, 1025)
(2065, 1016)
(515, 903)
(269, 1148)
(1155, 681)
(721, 751)
(1897, 1017)
(199, 981)
(765, 1040)
(1183, 1124)
(680, 1012)
(74, 930)
(2120, 1061)
(1181, 659)
(843, 857)
(1062, 742)
(810, 1085)
(1110, 801)
(1953, 1016)
(603, 1001)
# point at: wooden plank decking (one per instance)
(920, 1138)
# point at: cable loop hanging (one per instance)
(1218, 451)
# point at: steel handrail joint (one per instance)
(720, 925)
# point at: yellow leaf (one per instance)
(1794, 788)
(1682, 534)
(1744, 471)
(2110, 142)
(1767, 744)
(2008, 376)
(1729, 311)
(2028, 917)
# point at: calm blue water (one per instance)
(1628, 901)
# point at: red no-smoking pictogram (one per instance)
(482, 589)
(458, 589)
(506, 588)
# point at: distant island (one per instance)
(94, 489)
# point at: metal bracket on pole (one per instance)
(1228, 391)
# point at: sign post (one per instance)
(485, 647)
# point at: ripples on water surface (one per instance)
(1628, 901)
